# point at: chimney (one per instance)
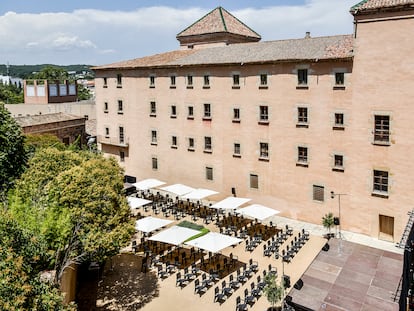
(307, 35)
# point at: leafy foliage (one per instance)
(26, 71)
(75, 201)
(272, 290)
(21, 259)
(11, 94)
(328, 221)
(34, 142)
(12, 153)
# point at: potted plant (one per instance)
(273, 291)
(328, 222)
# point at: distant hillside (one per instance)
(25, 71)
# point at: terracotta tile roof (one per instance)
(218, 20)
(333, 47)
(374, 5)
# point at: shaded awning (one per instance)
(257, 211)
(214, 242)
(174, 235)
(148, 184)
(230, 203)
(199, 194)
(134, 202)
(150, 223)
(178, 189)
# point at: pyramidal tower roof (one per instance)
(217, 27)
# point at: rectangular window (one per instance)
(106, 107)
(106, 132)
(120, 107)
(154, 163)
(339, 78)
(172, 82)
(121, 156)
(254, 181)
(173, 111)
(380, 182)
(105, 82)
(152, 81)
(264, 150)
(302, 155)
(302, 116)
(174, 142)
(153, 109)
(207, 144)
(190, 112)
(339, 121)
(209, 173)
(121, 135)
(382, 130)
(236, 80)
(190, 81)
(318, 193)
(236, 115)
(302, 76)
(206, 81)
(119, 80)
(191, 144)
(207, 111)
(338, 164)
(236, 150)
(264, 114)
(263, 80)
(153, 137)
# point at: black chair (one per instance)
(180, 281)
(219, 296)
(199, 288)
(240, 306)
(162, 273)
(248, 298)
(289, 230)
(267, 251)
(207, 281)
(214, 275)
(261, 283)
(253, 265)
(226, 290)
(255, 291)
(235, 284)
(241, 277)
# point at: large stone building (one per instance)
(282, 122)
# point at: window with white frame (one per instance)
(380, 182)
(382, 129)
(236, 150)
(264, 114)
(120, 107)
(154, 138)
(153, 109)
(207, 144)
(264, 150)
(207, 111)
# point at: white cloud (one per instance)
(98, 37)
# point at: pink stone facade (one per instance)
(346, 130)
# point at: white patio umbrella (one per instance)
(214, 242)
(257, 211)
(175, 235)
(178, 189)
(150, 223)
(148, 184)
(230, 203)
(199, 194)
(134, 202)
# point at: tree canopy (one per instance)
(21, 259)
(75, 200)
(12, 152)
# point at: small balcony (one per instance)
(114, 141)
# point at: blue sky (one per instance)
(101, 31)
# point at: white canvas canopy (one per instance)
(178, 189)
(134, 202)
(257, 211)
(214, 242)
(199, 194)
(149, 224)
(175, 235)
(148, 184)
(230, 203)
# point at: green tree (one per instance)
(11, 94)
(21, 260)
(272, 290)
(83, 93)
(12, 152)
(35, 142)
(51, 73)
(328, 221)
(75, 200)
